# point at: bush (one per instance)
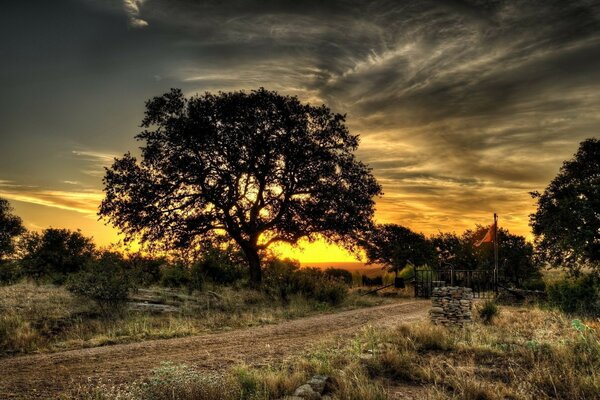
(174, 275)
(283, 278)
(376, 281)
(144, 270)
(221, 266)
(196, 277)
(576, 295)
(488, 311)
(10, 272)
(340, 274)
(104, 281)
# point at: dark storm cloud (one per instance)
(462, 106)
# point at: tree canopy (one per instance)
(395, 246)
(56, 252)
(567, 221)
(11, 226)
(259, 167)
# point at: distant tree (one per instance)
(515, 254)
(55, 252)
(11, 227)
(453, 251)
(395, 246)
(258, 167)
(567, 221)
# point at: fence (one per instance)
(482, 282)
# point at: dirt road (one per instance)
(45, 375)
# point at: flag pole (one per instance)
(496, 253)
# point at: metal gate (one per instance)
(482, 282)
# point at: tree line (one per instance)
(252, 169)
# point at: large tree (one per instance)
(567, 221)
(11, 226)
(259, 167)
(395, 246)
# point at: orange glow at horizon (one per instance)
(39, 216)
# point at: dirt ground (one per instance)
(46, 375)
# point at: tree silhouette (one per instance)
(259, 167)
(567, 221)
(395, 246)
(11, 226)
(55, 253)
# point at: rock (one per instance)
(306, 392)
(319, 382)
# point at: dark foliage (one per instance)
(340, 274)
(103, 280)
(453, 251)
(579, 295)
(10, 272)
(144, 270)
(515, 255)
(488, 311)
(259, 166)
(55, 253)
(175, 275)
(221, 266)
(285, 277)
(11, 227)
(567, 221)
(396, 246)
(376, 281)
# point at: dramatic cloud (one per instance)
(132, 8)
(463, 106)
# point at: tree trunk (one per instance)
(251, 253)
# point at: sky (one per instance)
(463, 107)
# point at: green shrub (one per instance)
(222, 266)
(174, 275)
(283, 278)
(575, 295)
(330, 291)
(104, 281)
(196, 277)
(144, 270)
(340, 274)
(488, 311)
(534, 284)
(10, 272)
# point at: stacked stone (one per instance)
(451, 305)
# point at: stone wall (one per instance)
(451, 305)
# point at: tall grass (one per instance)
(528, 353)
(48, 318)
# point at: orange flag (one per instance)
(489, 236)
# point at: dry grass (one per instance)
(48, 318)
(527, 353)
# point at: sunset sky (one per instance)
(463, 107)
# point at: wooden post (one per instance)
(496, 253)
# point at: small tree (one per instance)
(567, 221)
(515, 254)
(258, 167)
(11, 227)
(395, 246)
(56, 252)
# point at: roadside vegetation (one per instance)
(43, 317)
(524, 353)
